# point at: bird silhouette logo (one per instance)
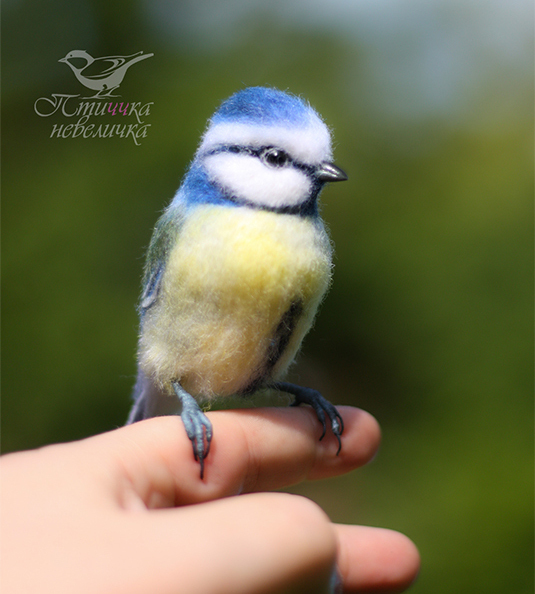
(102, 75)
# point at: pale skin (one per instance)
(126, 512)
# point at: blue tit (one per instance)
(238, 265)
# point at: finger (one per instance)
(252, 450)
(283, 445)
(266, 542)
(375, 559)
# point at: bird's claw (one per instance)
(199, 430)
(321, 407)
(197, 425)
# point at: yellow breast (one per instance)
(229, 279)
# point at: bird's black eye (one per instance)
(275, 157)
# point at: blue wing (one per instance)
(149, 400)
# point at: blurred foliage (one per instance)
(429, 322)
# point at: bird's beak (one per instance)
(329, 172)
(62, 60)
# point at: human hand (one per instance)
(125, 512)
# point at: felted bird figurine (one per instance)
(103, 75)
(237, 265)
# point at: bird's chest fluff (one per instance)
(230, 278)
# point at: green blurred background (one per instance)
(429, 321)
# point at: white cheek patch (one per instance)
(246, 177)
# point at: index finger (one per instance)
(252, 450)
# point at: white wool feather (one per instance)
(310, 145)
(247, 177)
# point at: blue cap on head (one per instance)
(261, 116)
(265, 106)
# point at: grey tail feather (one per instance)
(138, 410)
(151, 401)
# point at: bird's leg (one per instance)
(104, 93)
(109, 91)
(196, 423)
(320, 406)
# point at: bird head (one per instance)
(77, 55)
(268, 149)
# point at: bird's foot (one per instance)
(198, 427)
(320, 405)
(104, 93)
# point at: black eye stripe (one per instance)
(278, 156)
